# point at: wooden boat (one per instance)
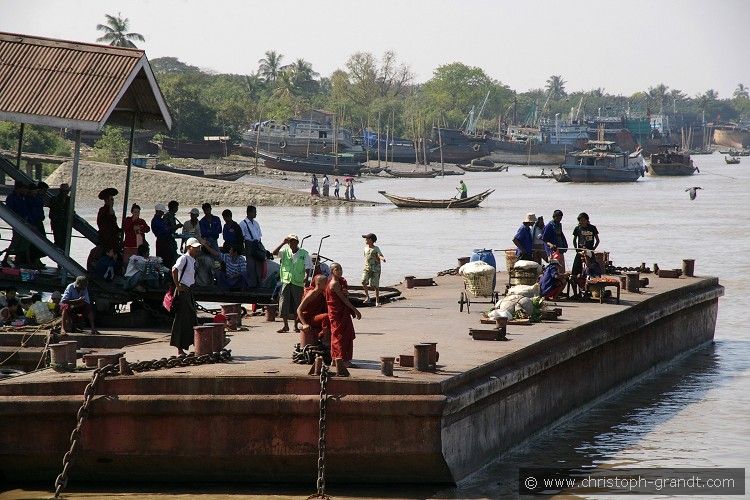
(731, 160)
(603, 161)
(540, 176)
(483, 168)
(560, 176)
(669, 161)
(345, 164)
(232, 176)
(413, 175)
(175, 170)
(371, 170)
(409, 202)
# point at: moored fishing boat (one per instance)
(560, 176)
(341, 164)
(539, 176)
(483, 168)
(731, 160)
(416, 174)
(603, 161)
(669, 162)
(410, 202)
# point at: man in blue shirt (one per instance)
(524, 240)
(166, 246)
(210, 226)
(554, 238)
(75, 300)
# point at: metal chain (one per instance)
(99, 374)
(321, 483)
(451, 272)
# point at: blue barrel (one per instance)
(487, 257)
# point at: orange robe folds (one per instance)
(342, 326)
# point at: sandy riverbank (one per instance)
(151, 186)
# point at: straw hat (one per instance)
(530, 217)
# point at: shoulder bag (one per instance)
(168, 299)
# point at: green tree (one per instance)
(658, 96)
(111, 146)
(741, 91)
(556, 87)
(115, 32)
(270, 65)
(35, 139)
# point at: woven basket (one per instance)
(523, 277)
(480, 284)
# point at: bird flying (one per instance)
(693, 191)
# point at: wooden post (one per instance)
(72, 203)
(128, 169)
(20, 146)
(378, 139)
(387, 125)
(440, 142)
(257, 141)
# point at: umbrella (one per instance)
(106, 193)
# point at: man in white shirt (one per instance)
(183, 306)
(255, 252)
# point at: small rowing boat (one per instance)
(483, 168)
(232, 176)
(731, 160)
(539, 176)
(409, 202)
(412, 175)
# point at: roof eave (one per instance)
(50, 121)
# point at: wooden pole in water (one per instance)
(440, 143)
(378, 139)
(424, 146)
(393, 131)
(414, 135)
(386, 142)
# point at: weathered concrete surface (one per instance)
(257, 417)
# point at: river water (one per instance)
(693, 414)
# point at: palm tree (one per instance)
(711, 95)
(285, 86)
(270, 65)
(115, 32)
(556, 87)
(303, 70)
(741, 91)
(676, 95)
(658, 94)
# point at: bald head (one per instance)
(320, 281)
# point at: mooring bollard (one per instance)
(271, 312)
(405, 360)
(422, 357)
(124, 367)
(59, 357)
(233, 321)
(203, 340)
(688, 267)
(386, 365)
(434, 355)
(463, 260)
(218, 336)
(409, 280)
(632, 281)
(71, 346)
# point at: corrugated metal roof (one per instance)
(75, 85)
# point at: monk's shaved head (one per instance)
(320, 281)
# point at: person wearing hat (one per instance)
(524, 238)
(295, 265)
(135, 230)
(58, 215)
(185, 316)
(75, 300)
(106, 221)
(53, 304)
(191, 228)
(371, 273)
(166, 246)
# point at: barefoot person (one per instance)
(185, 318)
(340, 312)
(371, 273)
(313, 312)
(295, 263)
(74, 300)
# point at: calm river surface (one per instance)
(695, 414)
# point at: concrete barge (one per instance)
(256, 418)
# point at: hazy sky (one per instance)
(622, 46)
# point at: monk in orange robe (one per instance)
(340, 312)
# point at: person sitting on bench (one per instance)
(75, 300)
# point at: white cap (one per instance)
(160, 207)
(194, 211)
(292, 236)
(193, 242)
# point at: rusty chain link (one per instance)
(321, 483)
(451, 272)
(61, 482)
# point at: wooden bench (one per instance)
(601, 284)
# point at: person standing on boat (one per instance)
(135, 230)
(191, 228)
(170, 219)
(340, 312)
(554, 238)
(314, 188)
(232, 232)
(210, 227)
(185, 316)
(166, 246)
(585, 237)
(462, 189)
(255, 252)
(326, 185)
(336, 187)
(106, 221)
(58, 215)
(524, 238)
(295, 265)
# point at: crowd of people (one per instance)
(323, 188)
(537, 241)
